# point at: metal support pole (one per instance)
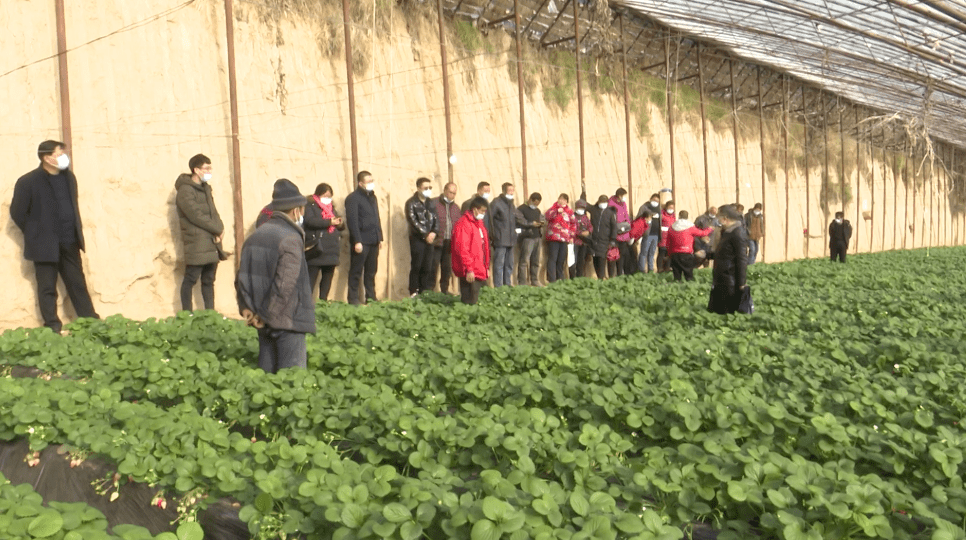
(580, 100)
(825, 187)
(885, 194)
(915, 196)
(860, 223)
(734, 128)
(523, 121)
(627, 116)
(670, 108)
(237, 200)
(838, 105)
(808, 184)
(872, 188)
(352, 93)
(761, 148)
(445, 63)
(66, 133)
(704, 132)
(785, 120)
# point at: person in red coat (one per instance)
(667, 219)
(680, 244)
(471, 251)
(561, 230)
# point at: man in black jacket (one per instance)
(423, 228)
(45, 208)
(839, 234)
(604, 237)
(272, 285)
(365, 236)
(529, 238)
(503, 235)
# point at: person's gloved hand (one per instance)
(251, 319)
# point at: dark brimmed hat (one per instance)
(286, 196)
(581, 203)
(602, 199)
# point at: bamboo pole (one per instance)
(761, 149)
(734, 128)
(670, 108)
(785, 120)
(446, 108)
(808, 184)
(523, 117)
(704, 131)
(825, 186)
(627, 113)
(580, 100)
(237, 199)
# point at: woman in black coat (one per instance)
(323, 228)
(730, 263)
(604, 236)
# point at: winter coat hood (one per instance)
(682, 225)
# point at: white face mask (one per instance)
(301, 219)
(623, 199)
(63, 162)
(480, 217)
(427, 193)
(533, 206)
(446, 199)
(206, 177)
(602, 206)
(670, 211)
(838, 220)
(370, 186)
(326, 200)
(757, 212)
(509, 196)
(486, 195)
(580, 212)
(654, 204)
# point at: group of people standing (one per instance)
(297, 244)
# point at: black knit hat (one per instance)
(286, 196)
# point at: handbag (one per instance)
(623, 227)
(746, 305)
(313, 244)
(613, 253)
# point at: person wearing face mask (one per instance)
(365, 237)
(667, 219)
(650, 241)
(730, 270)
(755, 221)
(482, 190)
(272, 284)
(423, 229)
(45, 209)
(561, 230)
(503, 235)
(619, 203)
(583, 240)
(323, 227)
(447, 214)
(201, 231)
(604, 221)
(839, 234)
(471, 251)
(528, 268)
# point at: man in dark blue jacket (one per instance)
(365, 236)
(272, 284)
(45, 208)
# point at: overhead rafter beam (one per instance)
(501, 20)
(534, 17)
(560, 13)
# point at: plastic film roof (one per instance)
(897, 56)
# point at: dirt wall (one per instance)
(148, 89)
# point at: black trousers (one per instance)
(837, 250)
(470, 292)
(556, 261)
(630, 262)
(663, 260)
(191, 274)
(443, 261)
(580, 261)
(682, 264)
(363, 266)
(71, 270)
(421, 275)
(602, 265)
(326, 283)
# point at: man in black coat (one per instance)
(604, 237)
(365, 236)
(839, 234)
(45, 208)
(423, 227)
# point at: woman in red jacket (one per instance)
(680, 243)
(561, 229)
(471, 251)
(667, 219)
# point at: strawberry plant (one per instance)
(617, 409)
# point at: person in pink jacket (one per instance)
(680, 241)
(619, 203)
(667, 219)
(561, 229)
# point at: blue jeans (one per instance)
(752, 251)
(502, 266)
(648, 252)
(278, 349)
